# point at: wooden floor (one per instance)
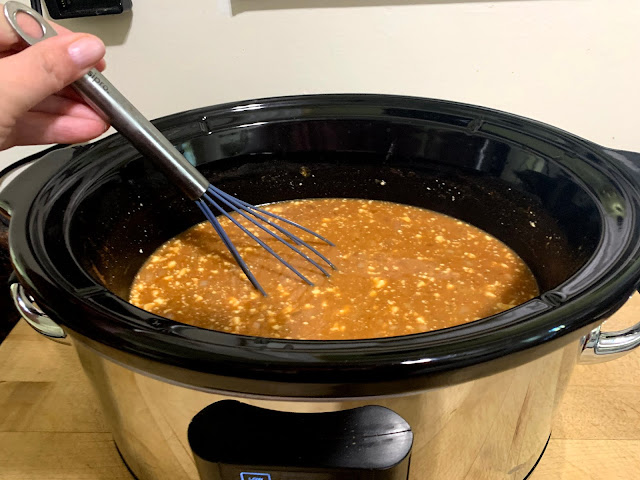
(51, 427)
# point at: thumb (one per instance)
(30, 76)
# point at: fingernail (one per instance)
(86, 51)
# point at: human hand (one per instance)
(36, 104)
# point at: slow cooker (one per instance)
(474, 401)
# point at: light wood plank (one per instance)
(52, 456)
(599, 412)
(589, 460)
(43, 388)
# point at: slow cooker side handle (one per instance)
(602, 346)
(36, 318)
(15, 192)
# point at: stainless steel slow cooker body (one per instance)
(494, 427)
(479, 397)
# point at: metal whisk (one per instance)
(102, 96)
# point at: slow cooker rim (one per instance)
(619, 285)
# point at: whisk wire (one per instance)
(247, 207)
(293, 224)
(260, 242)
(278, 217)
(229, 244)
(241, 211)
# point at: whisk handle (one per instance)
(103, 97)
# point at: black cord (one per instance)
(37, 6)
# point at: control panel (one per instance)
(232, 440)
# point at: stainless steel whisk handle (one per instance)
(103, 97)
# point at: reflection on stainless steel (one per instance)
(602, 346)
(35, 317)
(493, 428)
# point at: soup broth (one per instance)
(400, 270)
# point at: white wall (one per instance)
(573, 64)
